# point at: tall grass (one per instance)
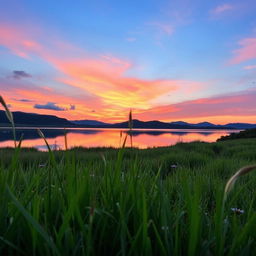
(130, 125)
(10, 118)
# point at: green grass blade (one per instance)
(33, 222)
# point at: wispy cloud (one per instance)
(163, 28)
(221, 9)
(17, 40)
(247, 51)
(22, 100)
(250, 67)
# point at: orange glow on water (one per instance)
(111, 138)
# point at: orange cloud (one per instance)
(111, 85)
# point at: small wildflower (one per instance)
(237, 211)
(174, 166)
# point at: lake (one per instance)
(141, 138)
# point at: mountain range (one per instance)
(37, 120)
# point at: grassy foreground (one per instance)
(162, 201)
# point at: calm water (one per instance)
(108, 137)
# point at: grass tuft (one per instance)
(233, 179)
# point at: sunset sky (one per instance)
(191, 60)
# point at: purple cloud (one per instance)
(53, 106)
(49, 106)
(19, 74)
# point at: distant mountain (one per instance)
(179, 123)
(199, 125)
(241, 125)
(89, 122)
(150, 125)
(206, 124)
(173, 125)
(31, 119)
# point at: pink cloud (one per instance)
(250, 67)
(222, 8)
(247, 51)
(219, 108)
(17, 41)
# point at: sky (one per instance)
(190, 60)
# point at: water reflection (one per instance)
(161, 132)
(108, 137)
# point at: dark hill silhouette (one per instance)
(150, 125)
(88, 122)
(30, 119)
(202, 124)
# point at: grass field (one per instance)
(104, 201)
